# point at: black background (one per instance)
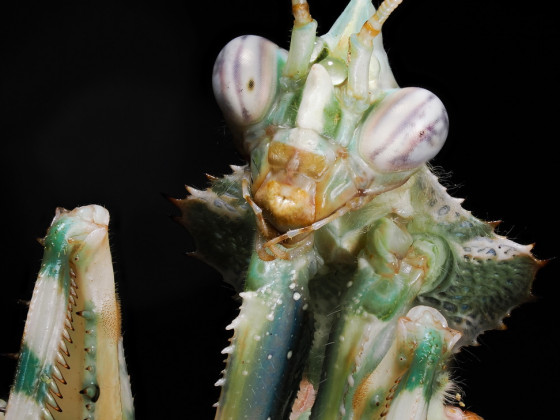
(111, 103)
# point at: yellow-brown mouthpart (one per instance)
(287, 206)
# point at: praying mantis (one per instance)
(133, 382)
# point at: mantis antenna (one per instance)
(300, 10)
(373, 25)
(361, 49)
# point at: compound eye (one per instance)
(245, 78)
(405, 130)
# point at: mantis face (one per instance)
(325, 125)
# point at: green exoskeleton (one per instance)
(71, 364)
(359, 275)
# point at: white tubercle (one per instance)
(317, 93)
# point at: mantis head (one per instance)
(324, 125)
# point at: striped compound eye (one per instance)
(245, 78)
(405, 130)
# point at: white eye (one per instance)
(405, 130)
(245, 78)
